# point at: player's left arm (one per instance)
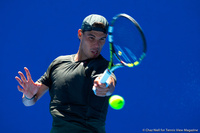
(105, 89)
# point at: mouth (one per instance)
(95, 52)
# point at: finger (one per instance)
(102, 85)
(108, 93)
(102, 90)
(19, 81)
(97, 78)
(99, 84)
(96, 81)
(38, 84)
(101, 94)
(107, 85)
(28, 75)
(22, 76)
(20, 89)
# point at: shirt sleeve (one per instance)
(45, 78)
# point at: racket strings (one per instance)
(127, 40)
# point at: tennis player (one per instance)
(69, 79)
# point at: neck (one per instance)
(79, 57)
(76, 57)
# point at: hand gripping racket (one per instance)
(126, 42)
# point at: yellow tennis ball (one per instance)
(116, 102)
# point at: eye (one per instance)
(103, 39)
(91, 38)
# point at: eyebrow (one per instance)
(91, 35)
(95, 36)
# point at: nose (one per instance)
(97, 44)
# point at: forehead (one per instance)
(95, 33)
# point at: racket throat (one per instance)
(116, 67)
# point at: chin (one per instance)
(94, 56)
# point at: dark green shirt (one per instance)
(72, 99)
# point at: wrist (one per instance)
(29, 98)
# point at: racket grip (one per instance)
(105, 76)
(103, 79)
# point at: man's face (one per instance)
(91, 44)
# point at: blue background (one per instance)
(163, 92)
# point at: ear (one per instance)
(79, 33)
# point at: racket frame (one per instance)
(111, 68)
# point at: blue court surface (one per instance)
(162, 94)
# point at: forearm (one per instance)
(29, 102)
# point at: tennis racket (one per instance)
(127, 44)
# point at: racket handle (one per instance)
(103, 79)
(105, 76)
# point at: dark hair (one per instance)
(97, 26)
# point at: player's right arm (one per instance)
(31, 91)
